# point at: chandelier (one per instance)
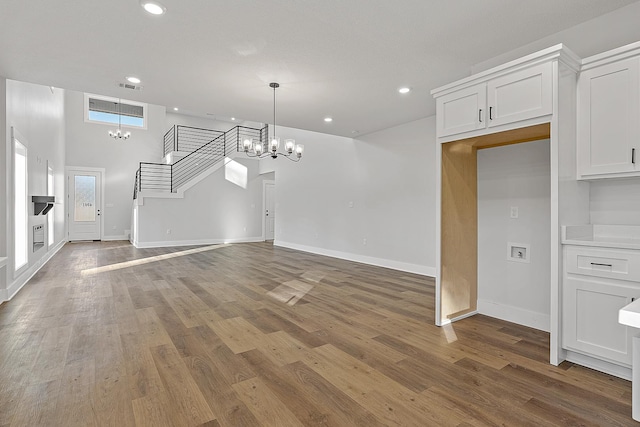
(292, 150)
(118, 133)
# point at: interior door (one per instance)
(84, 197)
(270, 211)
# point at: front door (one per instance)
(85, 218)
(270, 211)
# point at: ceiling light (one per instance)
(233, 118)
(154, 8)
(328, 119)
(175, 108)
(133, 80)
(257, 149)
(404, 90)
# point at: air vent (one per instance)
(130, 86)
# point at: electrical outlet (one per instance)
(113, 228)
(350, 204)
(364, 242)
(514, 212)
(168, 231)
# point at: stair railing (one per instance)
(168, 178)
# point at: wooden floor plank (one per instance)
(291, 338)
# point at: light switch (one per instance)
(514, 212)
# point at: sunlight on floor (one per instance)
(290, 292)
(141, 261)
(450, 333)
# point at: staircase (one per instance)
(197, 150)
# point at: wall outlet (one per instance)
(350, 204)
(364, 242)
(168, 231)
(113, 228)
(514, 212)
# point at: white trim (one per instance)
(513, 314)
(379, 262)
(23, 279)
(102, 172)
(599, 365)
(3, 261)
(446, 322)
(115, 238)
(264, 207)
(195, 242)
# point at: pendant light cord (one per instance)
(274, 112)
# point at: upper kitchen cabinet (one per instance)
(609, 114)
(497, 100)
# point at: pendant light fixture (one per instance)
(292, 150)
(118, 133)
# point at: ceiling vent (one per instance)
(130, 86)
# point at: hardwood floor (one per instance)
(252, 335)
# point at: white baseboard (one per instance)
(446, 322)
(599, 365)
(115, 238)
(14, 287)
(379, 262)
(196, 242)
(514, 314)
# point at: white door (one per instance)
(85, 218)
(270, 211)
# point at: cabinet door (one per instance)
(521, 95)
(590, 319)
(462, 111)
(608, 118)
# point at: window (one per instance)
(20, 203)
(50, 192)
(102, 109)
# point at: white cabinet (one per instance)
(597, 284)
(609, 120)
(462, 111)
(508, 98)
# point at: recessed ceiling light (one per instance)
(404, 90)
(233, 118)
(328, 119)
(175, 108)
(154, 8)
(133, 80)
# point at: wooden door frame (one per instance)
(67, 209)
(264, 208)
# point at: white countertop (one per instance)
(604, 236)
(629, 315)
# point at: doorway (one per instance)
(269, 224)
(84, 209)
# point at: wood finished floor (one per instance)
(252, 335)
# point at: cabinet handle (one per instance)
(480, 115)
(490, 113)
(601, 264)
(633, 156)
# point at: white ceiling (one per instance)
(339, 58)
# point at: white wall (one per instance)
(89, 145)
(175, 118)
(519, 176)
(214, 210)
(600, 34)
(37, 112)
(370, 199)
(615, 201)
(4, 201)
